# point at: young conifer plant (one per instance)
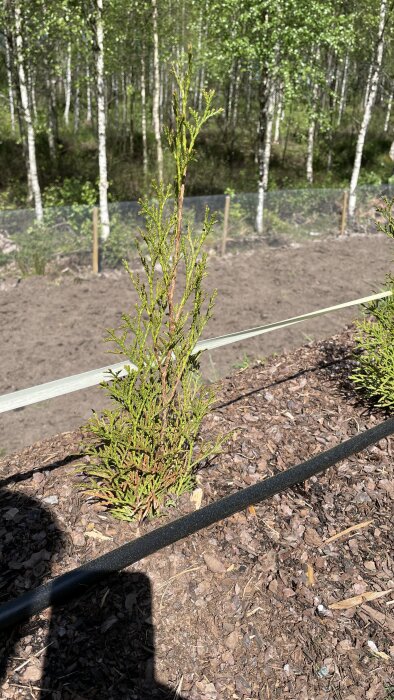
(144, 450)
(374, 373)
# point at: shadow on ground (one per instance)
(98, 646)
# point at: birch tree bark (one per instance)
(101, 122)
(31, 91)
(25, 102)
(10, 82)
(311, 132)
(229, 104)
(368, 86)
(197, 78)
(372, 88)
(156, 92)
(202, 85)
(52, 117)
(236, 96)
(88, 96)
(388, 113)
(115, 92)
(67, 87)
(143, 115)
(279, 115)
(77, 95)
(264, 147)
(124, 102)
(342, 99)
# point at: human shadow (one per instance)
(100, 645)
(29, 541)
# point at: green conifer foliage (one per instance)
(145, 449)
(374, 373)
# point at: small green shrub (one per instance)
(72, 190)
(119, 245)
(374, 373)
(35, 249)
(144, 451)
(238, 218)
(369, 178)
(5, 258)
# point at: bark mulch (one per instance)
(241, 609)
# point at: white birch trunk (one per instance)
(115, 91)
(101, 123)
(32, 92)
(236, 98)
(202, 85)
(197, 83)
(249, 91)
(391, 152)
(311, 135)
(77, 95)
(342, 99)
(368, 108)
(230, 94)
(388, 114)
(278, 116)
(264, 150)
(10, 84)
(88, 97)
(156, 92)
(309, 155)
(336, 86)
(162, 91)
(52, 117)
(67, 87)
(368, 86)
(124, 103)
(143, 116)
(31, 142)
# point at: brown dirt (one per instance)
(51, 328)
(231, 612)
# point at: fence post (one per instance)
(225, 223)
(344, 212)
(95, 251)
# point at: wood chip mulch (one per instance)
(250, 608)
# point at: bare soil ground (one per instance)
(54, 327)
(232, 612)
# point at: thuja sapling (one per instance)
(374, 373)
(144, 450)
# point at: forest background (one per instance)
(306, 88)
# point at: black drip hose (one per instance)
(75, 582)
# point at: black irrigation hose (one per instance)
(75, 582)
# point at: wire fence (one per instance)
(66, 236)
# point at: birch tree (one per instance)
(388, 113)
(88, 95)
(342, 98)
(156, 92)
(311, 129)
(27, 116)
(10, 80)
(143, 114)
(101, 121)
(264, 146)
(67, 87)
(371, 89)
(279, 113)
